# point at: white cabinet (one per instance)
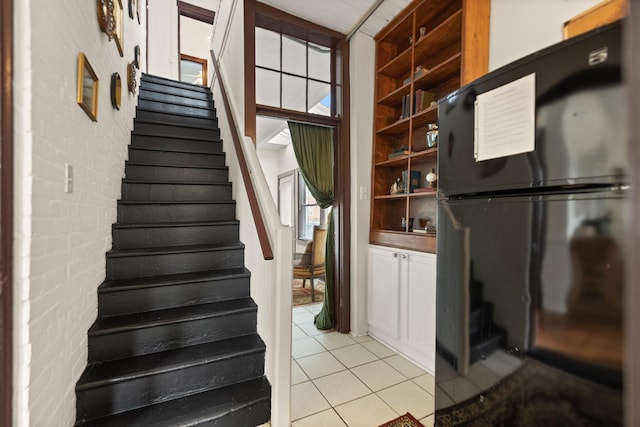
(402, 292)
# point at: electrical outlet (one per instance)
(68, 178)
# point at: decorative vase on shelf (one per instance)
(432, 135)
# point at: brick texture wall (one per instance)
(61, 238)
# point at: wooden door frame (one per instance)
(198, 13)
(279, 21)
(6, 212)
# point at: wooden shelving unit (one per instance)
(453, 51)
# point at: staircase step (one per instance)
(165, 82)
(177, 119)
(148, 155)
(130, 335)
(183, 130)
(174, 90)
(150, 95)
(240, 405)
(169, 143)
(168, 107)
(172, 190)
(480, 316)
(179, 173)
(127, 263)
(122, 385)
(125, 296)
(131, 236)
(143, 212)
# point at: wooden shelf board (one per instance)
(400, 239)
(428, 154)
(398, 65)
(423, 194)
(396, 161)
(441, 37)
(440, 73)
(394, 98)
(394, 128)
(428, 115)
(390, 196)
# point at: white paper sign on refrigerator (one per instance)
(505, 120)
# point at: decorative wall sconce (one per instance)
(131, 78)
(106, 17)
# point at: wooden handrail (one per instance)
(263, 237)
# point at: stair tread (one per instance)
(194, 409)
(175, 125)
(174, 182)
(147, 319)
(176, 150)
(146, 77)
(172, 279)
(174, 165)
(100, 374)
(163, 101)
(175, 202)
(177, 224)
(116, 253)
(175, 113)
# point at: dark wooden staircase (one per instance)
(175, 341)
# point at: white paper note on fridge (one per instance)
(505, 120)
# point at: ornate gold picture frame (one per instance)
(106, 19)
(119, 28)
(87, 87)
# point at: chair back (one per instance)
(319, 245)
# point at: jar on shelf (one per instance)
(432, 135)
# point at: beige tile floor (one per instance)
(338, 380)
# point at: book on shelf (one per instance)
(423, 99)
(398, 154)
(420, 230)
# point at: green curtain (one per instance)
(313, 147)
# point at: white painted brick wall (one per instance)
(61, 239)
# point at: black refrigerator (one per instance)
(531, 218)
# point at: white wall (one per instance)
(361, 68)
(163, 39)
(60, 238)
(520, 27)
(195, 40)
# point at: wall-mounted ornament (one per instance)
(106, 18)
(116, 90)
(119, 26)
(132, 8)
(136, 56)
(138, 5)
(87, 93)
(131, 78)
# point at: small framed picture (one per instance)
(116, 91)
(138, 6)
(87, 87)
(119, 29)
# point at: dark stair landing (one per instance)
(485, 336)
(175, 341)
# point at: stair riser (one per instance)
(146, 78)
(167, 337)
(173, 90)
(164, 107)
(172, 130)
(175, 263)
(175, 99)
(136, 393)
(147, 237)
(176, 119)
(172, 158)
(166, 173)
(153, 213)
(171, 296)
(176, 144)
(255, 415)
(209, 192)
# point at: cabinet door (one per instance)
(384, 291)
(420, 303)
